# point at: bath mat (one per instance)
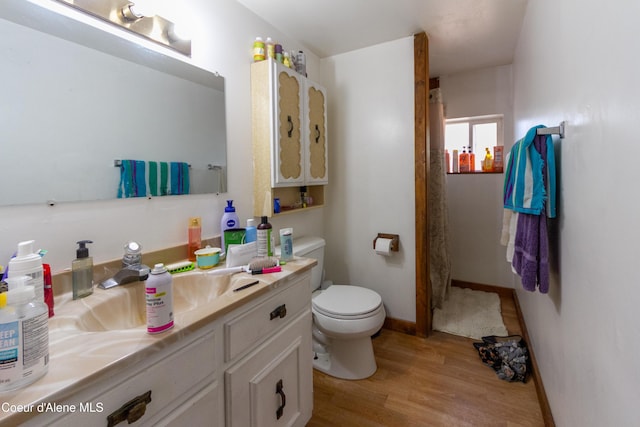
(469, 313)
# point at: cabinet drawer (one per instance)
(171, 380)
(254, 326)
(203, 409)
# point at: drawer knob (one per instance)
(131, 411)
(283, 398)
(279, 312)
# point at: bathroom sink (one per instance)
(123, 307)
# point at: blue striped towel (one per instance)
(179, 178)
(133, 181)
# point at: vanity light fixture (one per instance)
(137, 16)
(130, 14)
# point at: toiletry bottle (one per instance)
(195, 237)
(258, 50)
(303, 196)
(286, 59)
(286, 244)
(456, 162)
(48, 288)
(270, 48)
(159, 298)
(229, 220)
(301, 63)
(25, 331)
(487, 165)
(464, 160)
(251, 233)
(28, 263)
(265, 238)
(82, 271)
(472, 161)
(279, 57)
(447, 161)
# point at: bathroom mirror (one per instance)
(75, 99)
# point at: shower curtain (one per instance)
(439, 249)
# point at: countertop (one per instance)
(79, 357)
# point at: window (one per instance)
(475, 133)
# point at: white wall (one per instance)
(223, 35)
(576, 60)
(371, 134)
(475, 201)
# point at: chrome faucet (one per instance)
(132, 268)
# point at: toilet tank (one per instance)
(311, 247)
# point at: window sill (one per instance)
(475, 173)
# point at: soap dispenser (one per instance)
(82, 271)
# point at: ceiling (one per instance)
(463, 34)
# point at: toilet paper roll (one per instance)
(383, 246)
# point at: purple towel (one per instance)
(531, 245)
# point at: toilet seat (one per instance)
(347, 302)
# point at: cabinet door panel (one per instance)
(288, 155)
(316, 135)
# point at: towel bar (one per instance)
(118, 163)
(558, 130)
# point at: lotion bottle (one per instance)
(82, 271)
(229, 220)
(265, 238)
(251, 233)
(195, 237)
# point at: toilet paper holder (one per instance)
(395, 240)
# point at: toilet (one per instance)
(344, 319)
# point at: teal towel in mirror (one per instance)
(132, 179)
(179, 178)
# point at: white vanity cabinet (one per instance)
(268, 375)
(245, 362)
(289, 116)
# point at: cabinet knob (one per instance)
(283, 398)
(279, 312)
(290, 130)
(131, 411)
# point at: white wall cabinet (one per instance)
(289, 136)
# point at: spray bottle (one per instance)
(28, 263)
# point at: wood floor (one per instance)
(437, 381)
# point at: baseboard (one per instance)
(398, 325)
(537, 379)
(505, 292)
(547, 416)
